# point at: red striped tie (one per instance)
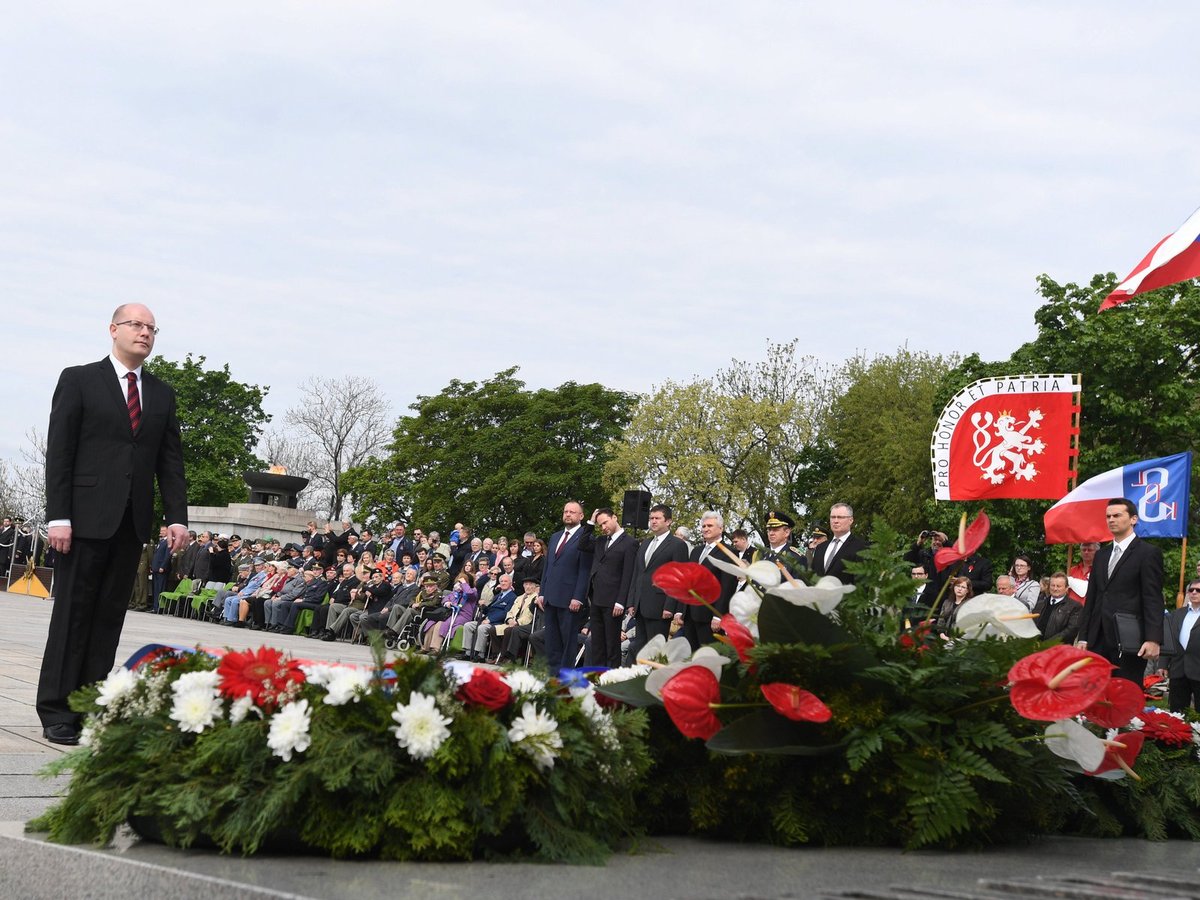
(134, 402)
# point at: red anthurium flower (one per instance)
(796, 703)
(1164, 727)
(970, 539)
(738, 635)
(1058, 683)
(1120, 702)
(1123, 756)
(689, 698)
(688, 583)
(263, 675)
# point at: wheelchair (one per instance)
(409, 637)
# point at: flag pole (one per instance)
(1075, 418)
(1182, 569)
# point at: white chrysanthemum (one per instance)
(196, 681)
(317, 673)
(289, 730)
(535, 733)
(1196, 733)
(1070, 740)
(522, 681)
(117, 686)
(195, 709)
(744, 606)
(591, 708)
(87, 735)
(241, 707)
(626, 673)
(1136, 724)
(346, 684)
(421, 729)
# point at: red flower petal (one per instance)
(1120, 702)
(971, 540)
(739, 636)
(685, 581)
(262, 675)
(688, 697)
(1113, 756)
(796, 703)
(487, 689)
(1079, 678)
(1164, 727)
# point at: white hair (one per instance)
(715, 516)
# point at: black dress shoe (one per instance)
(61, 733)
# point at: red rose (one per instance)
(487, 689)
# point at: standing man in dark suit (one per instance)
(160, 564)
(113, 432)
(698, 621)
(654, 610)
(608, 587)
(565, 585)
(830, 557)
(1180, 658)
(1126, 580)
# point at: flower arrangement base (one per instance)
(255, 752)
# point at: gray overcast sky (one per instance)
(623, 192)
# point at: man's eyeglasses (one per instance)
(1195, 590)
(139, 326)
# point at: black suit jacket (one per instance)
(650, 602)
(96, 466)
(729, 584)
(851, 547)
(1060, 620)
(1177, 661)
(611, 576)
(1134, 588)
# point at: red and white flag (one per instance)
(1009, 437)
(1173, 259)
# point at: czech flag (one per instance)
(1160, 489)
(1175, 258)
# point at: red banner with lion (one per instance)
(1008, 437)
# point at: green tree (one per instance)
(493, 454)
(733, 442)
(878, 430)
(220, 420)
(1140, 383)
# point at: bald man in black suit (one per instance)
(113, 432)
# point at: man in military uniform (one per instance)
(779, 541)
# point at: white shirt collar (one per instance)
(122, 370)
(1124, 544)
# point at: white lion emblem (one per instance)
(1014, 442)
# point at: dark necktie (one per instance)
(133, 402)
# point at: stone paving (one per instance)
(673, 867)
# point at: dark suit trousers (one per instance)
(646, 629)
(92, 585)
(698, 631)
(562, 636)
(1183, 693)
(1129, 665)
(604, 648)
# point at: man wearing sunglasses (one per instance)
(112, 433)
